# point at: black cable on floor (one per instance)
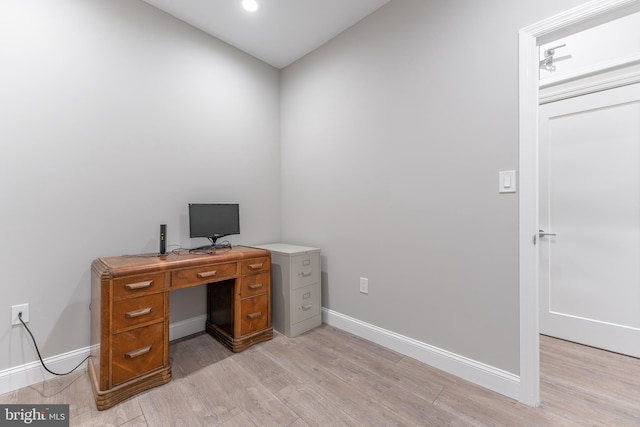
(38, 351)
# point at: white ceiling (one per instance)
(280, 31)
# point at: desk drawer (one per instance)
(254, 285)
(129, 286)
(137, 352)
(134, 311)
(254, 314)
(256, 265)
(200, 275)
(305, 303)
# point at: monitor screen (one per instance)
(213, 220)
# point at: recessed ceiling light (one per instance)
(250, 5)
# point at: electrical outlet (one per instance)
(15, 310)
(364, 285)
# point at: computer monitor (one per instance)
(213, 220)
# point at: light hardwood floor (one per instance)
(328, 377)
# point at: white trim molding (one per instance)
(605, 83)
(32, 373)
(604, 76)
(591, 70)
(187, 327)
(572, 21)
(471, 370)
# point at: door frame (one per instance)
(572, 21)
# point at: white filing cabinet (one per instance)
(295, 288)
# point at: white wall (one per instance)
(392, 139)
(113, 117)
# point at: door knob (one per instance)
(542, 233)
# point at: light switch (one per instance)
(507, 182)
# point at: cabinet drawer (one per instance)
(134, 311)
(129, 286)
(305, 270)
(305, 303)
(254, 285)
(205, 274)
(254, 314)
(137, 352)
(255, 265)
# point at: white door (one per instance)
(590, 199)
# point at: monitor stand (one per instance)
(212, 246)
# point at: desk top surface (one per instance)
(147, 263)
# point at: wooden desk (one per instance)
(130, 312)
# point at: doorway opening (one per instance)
(530, 38)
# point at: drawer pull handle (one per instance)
(138, 285)
(306, 307)
(206, 274)
(256, 286)
(137, 313)
(305, 274)
(256, 266)
(137, 353)
(254, 315)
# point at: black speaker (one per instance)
(163, 236)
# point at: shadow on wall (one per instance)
(278, 300)
(324, 282)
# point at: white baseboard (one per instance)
(479, 373)
(187, 327)
(32, 373)
(476, 372)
